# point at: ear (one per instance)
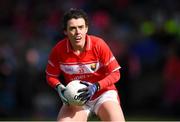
(65, 32)
(86, 29)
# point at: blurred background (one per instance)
(143, 35)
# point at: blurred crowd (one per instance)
(143, 35)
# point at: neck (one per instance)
(79, 48)
(77, 52)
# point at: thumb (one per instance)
(85, 83)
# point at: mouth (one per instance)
(78, 38)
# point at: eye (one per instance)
(72, 28)
(81, 27)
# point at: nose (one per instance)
(77, 30)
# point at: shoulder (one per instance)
(97, 41)
(61, 45)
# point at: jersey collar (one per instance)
(87, 46)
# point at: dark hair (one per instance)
(74, 13)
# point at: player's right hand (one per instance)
(60, 88)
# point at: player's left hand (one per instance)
(89, 91)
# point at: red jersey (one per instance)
(94, 64)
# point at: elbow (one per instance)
(48, 80)
(118, 75)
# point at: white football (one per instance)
(71, 92)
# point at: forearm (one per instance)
(52, 81)
(110, 79)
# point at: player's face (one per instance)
(76, 32)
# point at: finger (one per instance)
(85, 98)
(82, 95)
(85, 83)
(64, 100)
(82, 90)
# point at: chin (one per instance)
(78, 44)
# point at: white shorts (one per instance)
(93, 105)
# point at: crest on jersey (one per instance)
(93, 66)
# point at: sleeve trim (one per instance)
(111, 59)
(50, 63)
(51, 74)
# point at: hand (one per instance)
(89, 91)
(60, 89)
